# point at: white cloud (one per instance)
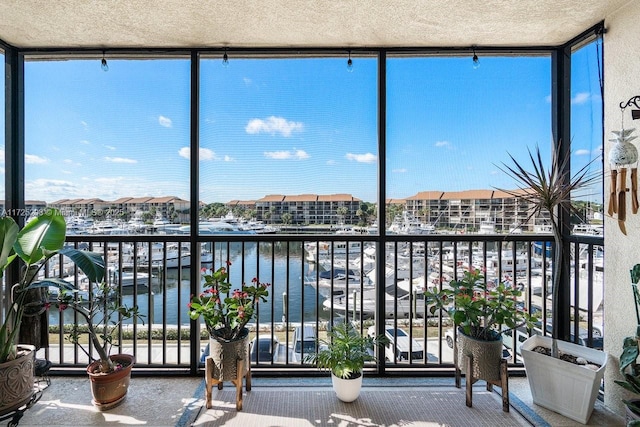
(84, 124)
(442, 144)
(581, 98)
(120, 160)
(273, 125)
(205, 153)
(66, 172)
(582, 152)
(85, 142)
(278, 155)
(362, 158)
(228, 159)
(401, 170)
(109, 147)
(331, 162)
(32, 159)
(285, 155)
(165, 121)
(547, 99)
(247, 81)
(301, 154)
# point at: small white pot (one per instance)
(346, 390)
(568, 389)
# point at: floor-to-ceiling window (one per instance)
(452, 122)
(111, 139)
(586, 134)
(289, 141)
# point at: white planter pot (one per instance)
(346, 390)
(566, 388)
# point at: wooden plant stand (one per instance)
(210, 381)
(503, 382)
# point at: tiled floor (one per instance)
(179, 401)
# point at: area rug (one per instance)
(377, 406)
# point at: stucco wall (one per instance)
(622, 81)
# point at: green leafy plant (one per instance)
(38, 241)
(103, 314)
(481, 312)
(225, 312)
(629, 367)
(345, 351)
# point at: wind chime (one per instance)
(622, 157)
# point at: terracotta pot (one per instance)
(225, 355)
(16, 380)
(110, 389)
(486, 356)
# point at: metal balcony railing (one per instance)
(317, 280)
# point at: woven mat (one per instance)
(376, 406)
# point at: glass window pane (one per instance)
(586, 135)
(450, 126)
(109, 146)
(289, 143)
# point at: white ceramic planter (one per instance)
(568, 389)
(346, 390)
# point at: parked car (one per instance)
(264, 349)
(304, 342)
(400, 344)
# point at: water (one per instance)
(176, 290)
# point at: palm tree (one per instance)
(548, 190)
(342, 211)
(286, 218)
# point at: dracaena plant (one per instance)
(548, 189)
(38, 241)
(226, 312)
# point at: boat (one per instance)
(137, 224)
(160, 223)
(210, 227)
(258, 227)
(487, 227)
(588, 229)
(172, 255)
(128, 280)
(398, 303)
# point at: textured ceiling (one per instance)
(296, 23)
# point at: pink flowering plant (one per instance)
(226, 312)
(481, 311)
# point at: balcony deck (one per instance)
(179, 401)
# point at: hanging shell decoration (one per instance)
(622, 155)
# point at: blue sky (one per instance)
(292, 126)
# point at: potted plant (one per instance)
(344, 352)
(226, 313)
(103, 314)
(629, 367)
(552, 380)
(38, 241)
(482, 314)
